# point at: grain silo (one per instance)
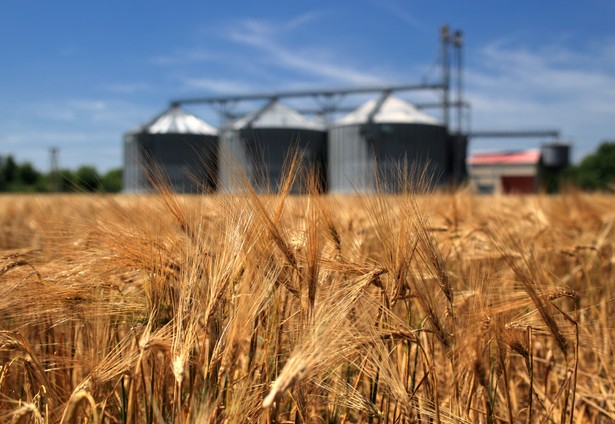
(387, 135)
(260, 143)
(179, 145)
(554, 159)
(555, 155)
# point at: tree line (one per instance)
(22, 177)
(595, 172)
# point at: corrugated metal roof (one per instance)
(276, 115)
(392, 111)
(175, 121)
(523, 157)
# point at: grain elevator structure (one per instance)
(354, 139)
(261, 144)
(384, 144)
(175, 148)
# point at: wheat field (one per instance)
(413, 308)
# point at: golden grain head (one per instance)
(418, 307)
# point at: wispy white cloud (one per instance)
(512, 87)
(34, 137)
(272, 54)
(128, 88)
(185, 56)
(303, 19)
(49, 111)
(556, 72)
(99, 148)
(267, 39)
(218, 85)
(400, 12)
(86, 130)
(90, 105)
(75, 110)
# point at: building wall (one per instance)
(518, 184)
(497, 178)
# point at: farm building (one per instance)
(176, 144)
(370, 147)
(259, 145)
(505, 172)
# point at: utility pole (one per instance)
(458, 49)
(54, 170)
(445, 40)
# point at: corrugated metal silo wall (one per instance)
(233, 160)
(409, 151)
(401, 152)
(270, 149)
(555, 155)
(350, 165)
(458, 146)
(188, 162)
(132, 173)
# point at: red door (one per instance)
(518, 184)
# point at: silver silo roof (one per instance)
(392, 110)
(276, 115)
(176, 121)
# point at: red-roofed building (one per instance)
(505, 172)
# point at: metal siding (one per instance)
(351, 167)
(555, 155)
(233, 160)
(132, 170)
(188, 162)
(415, 147)
(422, 149)
(458, 148)
(262, 152)
(181, 146)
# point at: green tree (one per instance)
(67, 181)
(111, 182)
(27, 174)
(23, 177)
(87, 178)
(597, 170)
(10, 169)
(3, 182)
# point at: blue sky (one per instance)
(77, 75)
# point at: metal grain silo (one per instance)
(387, 135)
(260, 144)
(554, 159)
(555, 155)
(179, 145)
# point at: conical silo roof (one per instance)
(176, 121)
(276, 115)
(392, 111)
